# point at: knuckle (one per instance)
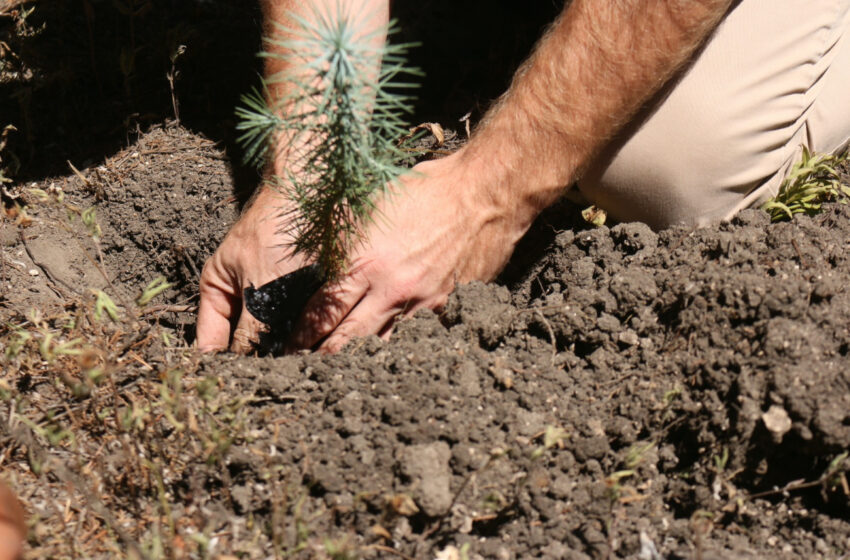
(210, 270)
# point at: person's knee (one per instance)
(692, 169)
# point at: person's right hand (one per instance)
(252, 253)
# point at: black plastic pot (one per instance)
(279, 303)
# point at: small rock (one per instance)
(468, 379)
(777, 421)
(351, 409)
(629, 338)
(608, 323)
(530, 423)
(427, 466)
(503, 376)
(278, 383)
(591, 448)
(242, 497)
(561, 487)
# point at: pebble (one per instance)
(629, 337)
(427, 466)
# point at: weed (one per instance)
(613, 484)
(80, 379)
(340, 549)
(156, 287)
(720, 461)
(671, 395)
(636, 454)
(104, 304)
(811, 182)
(553, 436)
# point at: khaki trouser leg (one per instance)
(774, 76)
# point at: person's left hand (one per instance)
(442, 226)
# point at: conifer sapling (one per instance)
(339, 124)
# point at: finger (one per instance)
(247, 333)
(370, 316)
(387, 331)
(406, 313)
(325, 310)
(215, 311)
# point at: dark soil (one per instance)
(629, 393)
(619, 393)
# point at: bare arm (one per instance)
(598, 64)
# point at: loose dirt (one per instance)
(622, 394)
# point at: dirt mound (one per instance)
(631, 394)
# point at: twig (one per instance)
(76, 171)
(154, 309)
(803, 262)
(552, 339)
(172, 78)
(383, 548)
(791, 487)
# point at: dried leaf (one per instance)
(434, 128)
(402, 504)
(594, 215)
(381, 532)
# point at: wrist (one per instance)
(265, 212)
(519, 173)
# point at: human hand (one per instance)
(441, 226)
(252, 253)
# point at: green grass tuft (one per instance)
(812, 181)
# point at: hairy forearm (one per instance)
(598, 64)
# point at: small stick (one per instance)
(383, 548)
(551, 335)
(168, 309)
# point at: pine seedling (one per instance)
(338, 123)
(811, 182)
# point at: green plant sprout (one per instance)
(339, 124)
(156, 287)
(812, 181)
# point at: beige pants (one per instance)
(774, 76)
